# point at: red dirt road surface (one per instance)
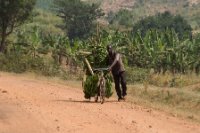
(30, 105)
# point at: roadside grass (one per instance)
(179, 102)
(170, 80)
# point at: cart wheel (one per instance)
(102, 94)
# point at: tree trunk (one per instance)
(3, 39)
(2, 45)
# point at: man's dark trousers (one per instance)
(120, 78)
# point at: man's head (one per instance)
(109, 49)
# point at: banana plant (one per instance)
(30, 42)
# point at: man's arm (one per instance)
(115, 61)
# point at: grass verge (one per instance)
(180, 102)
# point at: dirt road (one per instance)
(29, 105)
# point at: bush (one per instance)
(51, 69)
(136, 75)
(13, 63)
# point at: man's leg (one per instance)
(117, 86)
(123, 83)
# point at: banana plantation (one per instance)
(160, 51)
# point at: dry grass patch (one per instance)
(181, 102)
(177, 80)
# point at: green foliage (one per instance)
(12, 63)
(46, 21)
(78, 16)
(29, 42)
(34, 42)
(98, 58)
(161, 22)
(44, 4)
(136, 75)
(97, 45)
(60, 47)
(122, 17)
(108, 91)
(185, 8)
(13, 13)
(91, 86)
(51, 69)
(19, 63)
(163, 51)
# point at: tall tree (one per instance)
(78, 16)
(13, 13)
(163, 21)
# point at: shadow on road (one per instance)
(84, 101)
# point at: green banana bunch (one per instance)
(90, 86)
(108, 91)
(91, 83)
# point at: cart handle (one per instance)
(100, 69)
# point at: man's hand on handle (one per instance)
(109, 69)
